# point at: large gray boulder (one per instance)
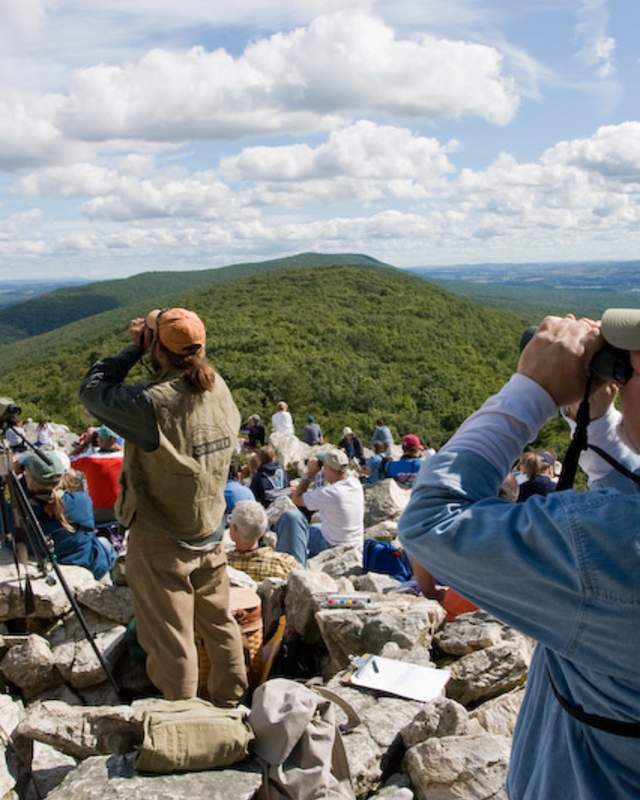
(382, 720)
(500, 714)
(343, 561)
(305, 592)
(439, 718)
(469, 632)
(459, 767)
(115, 778)
(49, 599)
(74, 655)
(49, 768)
(289, 449)
(11, 714)
(406, 620)
(374, 582)
(488, 673)
(398, 787)
(386, 500)
(83, 731)
(31, 666)
(109, 601)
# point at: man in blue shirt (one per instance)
(563, 569)
(382, 434)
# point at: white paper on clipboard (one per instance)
(402, 679)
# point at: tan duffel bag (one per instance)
(192, 734)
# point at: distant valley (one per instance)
(12, 292)
(533, 290)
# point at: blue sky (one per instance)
(162, 136)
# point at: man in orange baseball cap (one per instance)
(180, 430)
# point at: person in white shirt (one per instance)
(340, 503)
(44, 433)
(15, 437)
(281, 421)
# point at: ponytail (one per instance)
(196, 371)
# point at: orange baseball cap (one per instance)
(179, 330)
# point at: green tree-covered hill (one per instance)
(347, 344)
(58, 308)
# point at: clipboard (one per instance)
(410, 681)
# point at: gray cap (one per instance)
(41, 472)
(336, 459)
(621, 328)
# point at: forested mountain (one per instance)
(60, 307)
(347, 344)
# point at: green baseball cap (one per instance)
(41, 472)
(105, 432)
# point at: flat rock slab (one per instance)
(342, 561)
(469, 632)
(487, 673)
(110, 601)
(83, 731)
(115, 778)
(49, 599)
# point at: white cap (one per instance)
(336, 460)
(346, 431)
(621, 328)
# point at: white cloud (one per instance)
(364, 162)
(135, 191)
(613, 151)
(596, 46)
(28, 133)
(299, 81)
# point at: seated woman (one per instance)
(64, 517)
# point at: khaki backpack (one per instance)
(192, 734)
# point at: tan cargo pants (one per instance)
(176, 592)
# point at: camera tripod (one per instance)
(26, 536)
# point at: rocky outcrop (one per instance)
(109, 601)
(459, 767)
(344, 561)
(442, 717)
(49, 767)
(115, 778)
(49, 598)
(500, 714)
(487, 673)
(386, 500)
(11, 714)
(305, 592)
(374, 582)
(469, 632)
(83, 731)
(74, 656)
(408, 621)
(31, 666)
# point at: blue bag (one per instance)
(386, 558)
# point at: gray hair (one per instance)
(250, 518)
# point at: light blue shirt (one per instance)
(563, 569)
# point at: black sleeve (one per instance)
(258, 489)
(127, 409)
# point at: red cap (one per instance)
(411, 442)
